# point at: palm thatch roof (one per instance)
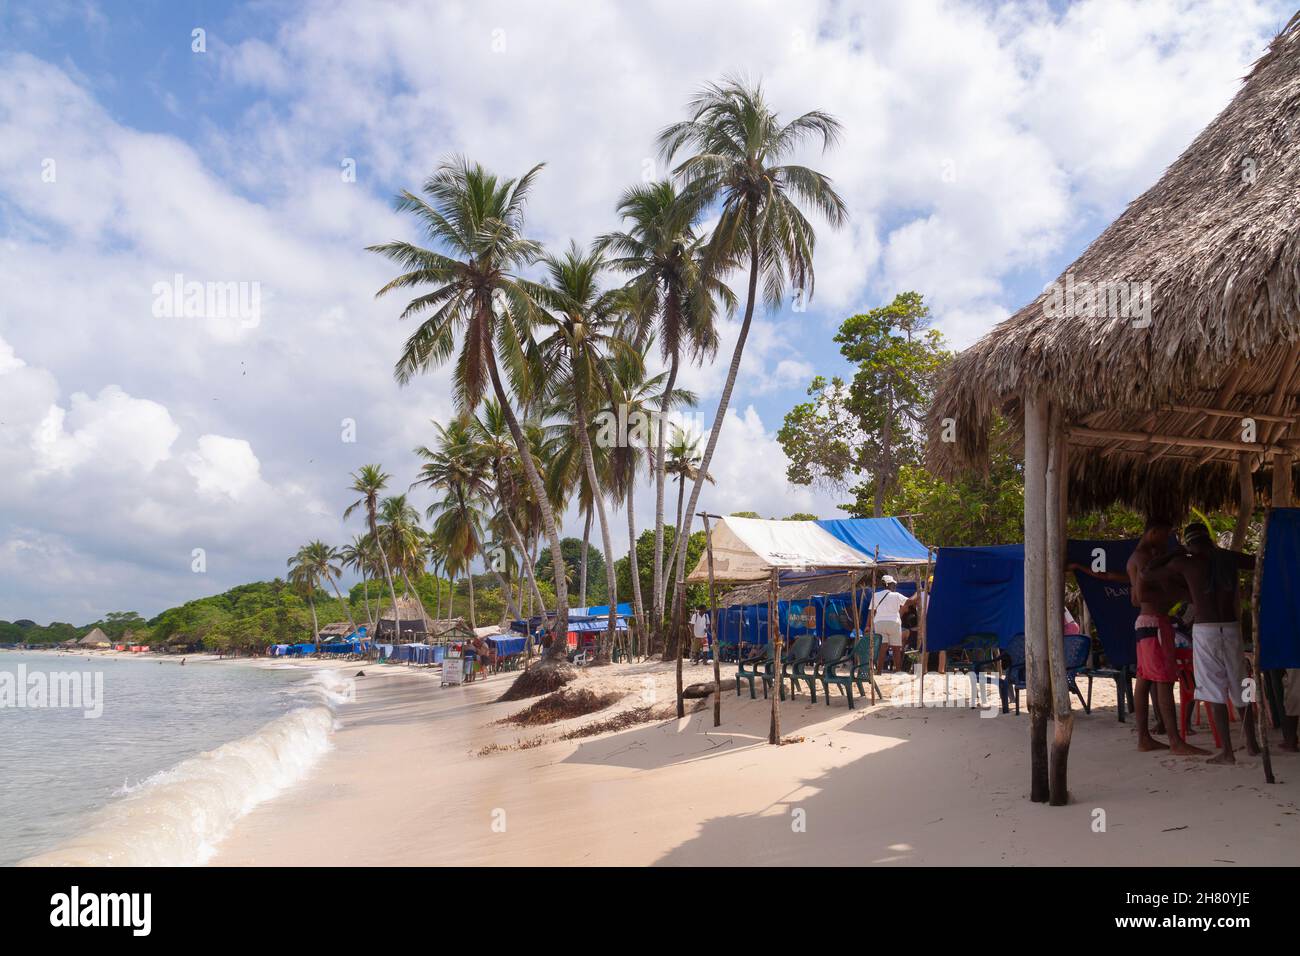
(798, 590)
(94, 638)
(1155, 408)
(338, 629)
(451, 629)
(408, 609)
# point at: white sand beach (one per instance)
(424, 775)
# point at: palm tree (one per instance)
(359, 555)
(400, 534)
(630, 388)
(491, 438)
(675, 287)
(311, 565)
(684, 463)
(369, 481)
(738, 165)
(477, 219)
(458, 467)
(583, 320)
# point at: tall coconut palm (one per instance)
(475, 221)
(685, 464)
(308, 569)
(638, 394)
(359, 555)
(401, 536)
(675, 288)
(582, 320)
(737, 162)
(368, 481)
(491, 438)
(456, 465)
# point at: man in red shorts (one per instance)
(1155, 642)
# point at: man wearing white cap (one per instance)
(887, 621)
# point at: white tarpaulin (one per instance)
(747, 549)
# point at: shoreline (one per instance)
(419, 775)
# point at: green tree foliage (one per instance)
(869, 429)
(645, 557)
(597, 590)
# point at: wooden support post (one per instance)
(715, 625)
(1282, 490)
(1245, 500)
(1036, 679)
(1054, 512)
(774, 635)
(1261, 713)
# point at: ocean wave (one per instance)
(176, 817)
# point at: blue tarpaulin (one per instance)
(596, 610)
(1109, 602)
(1279, 592)
(824, 614)
(586, 624)
(505, 646)
(976, 591)
(896, 544)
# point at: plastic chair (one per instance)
(833, 650)
(752, 667)
(800, 651)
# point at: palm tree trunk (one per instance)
(388, 574)
(315, 625)
(635, 570)
(586, 545)
(437, 585)
(365, 596)
(527, 562)
(346, 610)
(718, 418)
(556, 652)
(469, 576)
(451, 595)
(658, 582)
(671, 641)
(611, 585)
(478, 548)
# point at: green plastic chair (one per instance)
(833, 651)
(852, 669)
(753, 667)
(800, 652)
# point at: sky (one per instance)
(152, 453)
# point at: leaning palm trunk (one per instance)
(611, 586)
(388, 576)
(658, 583)
(315, 625)
(527, 562)
(365, 596)
(556, 652)
(506, 590)
(674, 560)
(582, 565)
(718, 418)
(469, 576)
(635, 570)
(346, 610)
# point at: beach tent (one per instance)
(749, 549)
(596, 610)
(506, 644)
(885, 540)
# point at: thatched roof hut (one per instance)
(1153, 390)
(414, 623)
(336, 629)
(95, 638)
(1162, 369)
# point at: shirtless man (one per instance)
(1156, 672)
(1211, 575)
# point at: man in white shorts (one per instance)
(1218, 659)
(887, 621)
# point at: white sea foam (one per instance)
(176, 817)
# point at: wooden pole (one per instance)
(1245, 500)
(922, 611)
(1057, 473)
(1282, 464)
(774, 635)
(713, 621)
(1261, 713)
(1036, 677)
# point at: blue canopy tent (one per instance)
(885, 540)
(507, 645)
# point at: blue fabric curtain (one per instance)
(1279, 592)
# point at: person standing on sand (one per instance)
(1156, 667)
(1210, 574)
(699, 633)
(886, 619)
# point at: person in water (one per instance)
(1211, 576)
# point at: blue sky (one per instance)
(985, 145)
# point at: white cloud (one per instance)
(224, 466)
